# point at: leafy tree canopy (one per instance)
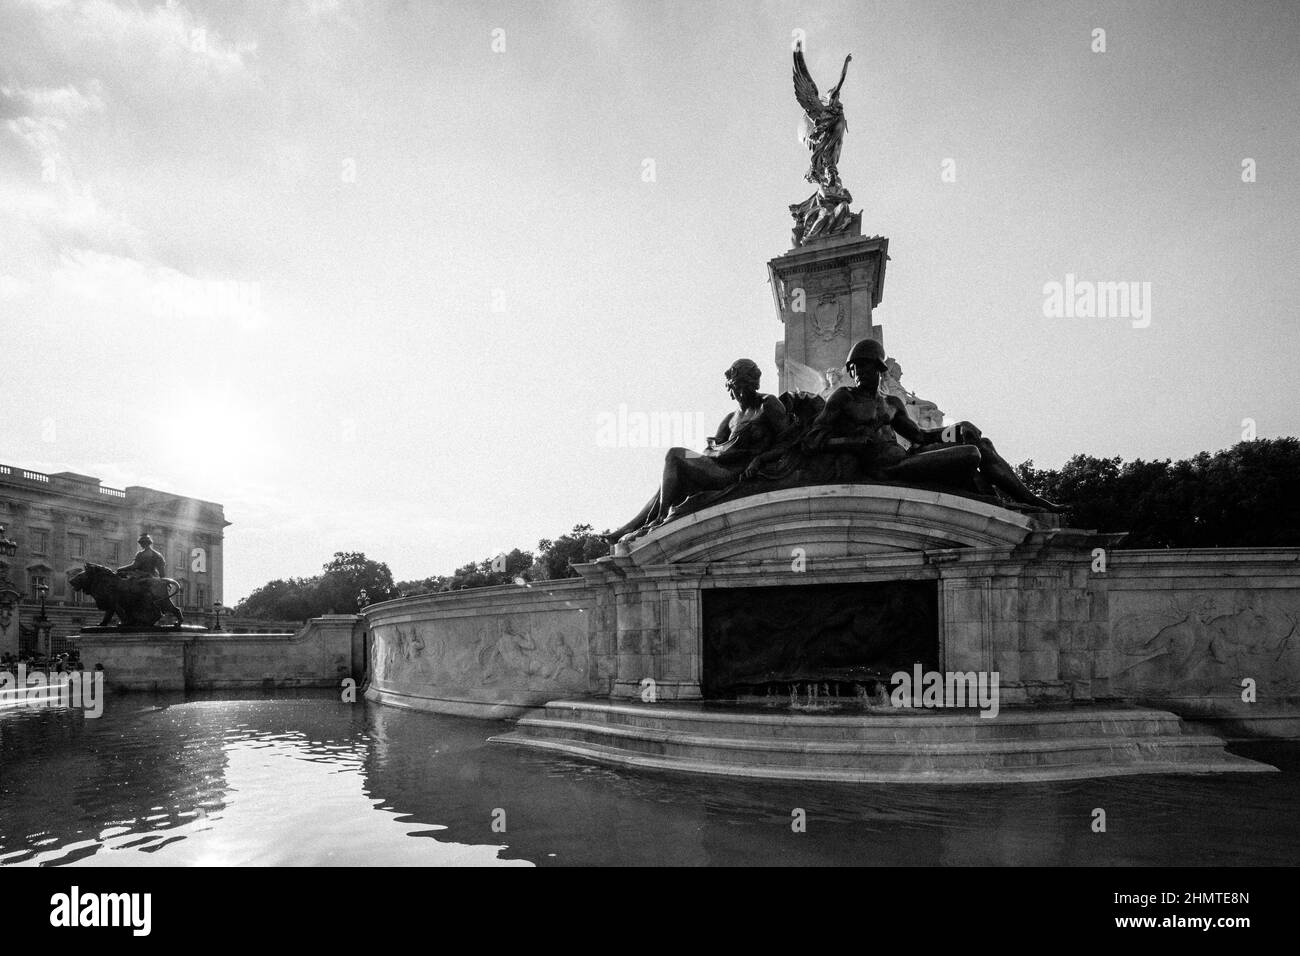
(551, 561)
(1244, 496)
(333, 592)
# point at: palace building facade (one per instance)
(61, 521)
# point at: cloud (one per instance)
(39, 117)
(44, 194)
(70, 181)
(108, 38)
(57, 104)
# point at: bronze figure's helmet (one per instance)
(744, 370)
(871, 351)
(144, 539)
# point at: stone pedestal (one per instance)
(824, 294)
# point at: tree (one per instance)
(1243, 496)
(429, 585)
(281, 600)
(347, 575)
(333, 592)
(552, 561)
(579, 546)
(509, 568)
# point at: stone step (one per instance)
(869, 774)
(901, 727)
(929, 746)
(881, 755)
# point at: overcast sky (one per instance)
(369, 274)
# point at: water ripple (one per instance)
(307, 780)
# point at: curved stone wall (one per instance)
(487, 652)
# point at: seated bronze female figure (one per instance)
(742, 435)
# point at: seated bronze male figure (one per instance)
(860, 421)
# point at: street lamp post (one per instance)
(216, 609)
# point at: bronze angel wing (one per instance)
(805, 90)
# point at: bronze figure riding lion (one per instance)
(138, 602)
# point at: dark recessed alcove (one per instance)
(757, 638)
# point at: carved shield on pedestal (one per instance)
(827, 318)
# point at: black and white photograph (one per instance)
(647, 433)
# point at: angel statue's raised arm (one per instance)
(824, 124)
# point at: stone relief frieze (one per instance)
(518, 650)
(1206, 643)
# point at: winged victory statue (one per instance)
(826, 212)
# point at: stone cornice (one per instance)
(834, 255)
(827, 522)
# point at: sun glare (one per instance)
(209, 442)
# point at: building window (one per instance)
(36, 581)
(40, 542)
(203, 596)
(77, 546)
(115, 551)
